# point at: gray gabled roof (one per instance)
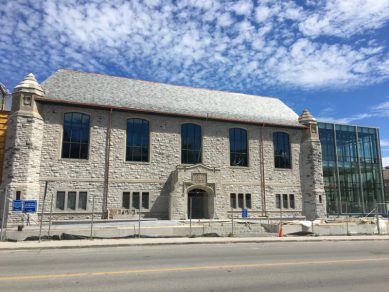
(103, 90)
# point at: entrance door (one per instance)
(199, 200)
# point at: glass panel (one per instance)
(145, 200)
(238, 147)
(281, 146)
(291, 201)
(285, 201)
(352, 181)
(278, 201)
(190, 144)
(60, 203)
(137, 140)
(126, 200)
(75, 140)
(240, 200)
(233, 201)
(72, 200)
(82, 199)
(135, 200)
(248, 201)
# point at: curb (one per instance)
(35, 245)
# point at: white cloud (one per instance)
(343, 18)
(384, 143)
(385, 161)
(231, 45)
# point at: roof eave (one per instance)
(118, 108)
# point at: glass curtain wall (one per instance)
(352, 169)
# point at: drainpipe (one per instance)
(106, 171)
(263, 186)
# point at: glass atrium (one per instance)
(352, 169)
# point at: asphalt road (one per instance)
(314, 266)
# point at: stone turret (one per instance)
(314, 203)
(23, 144)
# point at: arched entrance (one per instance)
(198, 204)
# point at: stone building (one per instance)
(83, 139)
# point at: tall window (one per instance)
(190, 144)
(75, 142)
(238, 147)
(137, 140)
(281, 150)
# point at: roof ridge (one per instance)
(169, 84)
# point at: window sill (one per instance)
(282, 169)
(239, 167)
(74, 160)
(137, 162)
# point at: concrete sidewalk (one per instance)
(173, 241)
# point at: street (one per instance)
(305, 266)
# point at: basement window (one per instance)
(240, 201)
(74, 201)
(133, 200)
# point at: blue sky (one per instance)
(331, 56)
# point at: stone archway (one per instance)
(198, 204)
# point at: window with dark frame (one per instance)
(82, 199)
(285, 204)
(137, 142)
(240, 201)
(288, 201)
(71, 200)
(135, 200)
(190, 144)
(291, 201)
(126, 200)
(145, 200)
(132, 200)
(238, 147)
(60, 202)
(278, 201)
(282, 157)
(75, 142)
(233, 201)
(248, 200)
(18, 195)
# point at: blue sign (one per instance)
(245, 213)
(17, 206)
(29, 206)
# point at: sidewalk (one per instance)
(173, 241)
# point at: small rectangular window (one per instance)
(82, 199)
(18, 195)
(60, 203)
(248, 201)
(126, 200)
(291, 201)
(233, 200)
(135, 200)
(145, 200)
(278, 201)
(72, 200)
(285, 201)
(240, 200)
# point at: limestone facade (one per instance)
(33, 157)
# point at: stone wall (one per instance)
(165, 155)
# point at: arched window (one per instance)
(137, 145)
(281, 150)
(190, 144)
(238, 147)
(75, 142)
